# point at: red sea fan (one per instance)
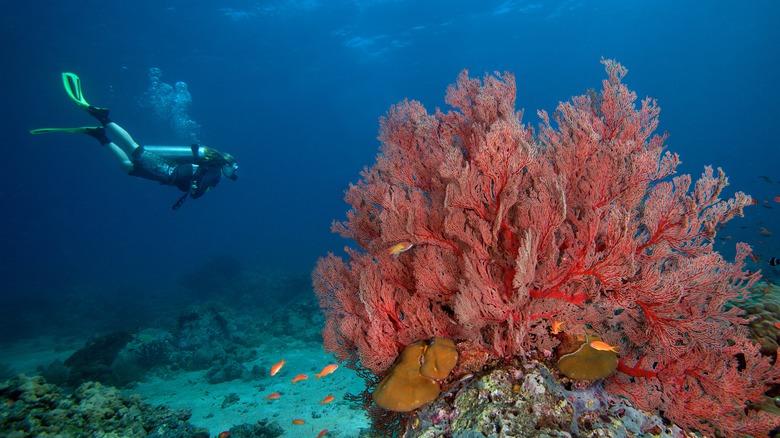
(580, 223)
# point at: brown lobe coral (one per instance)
(439, 358)
(412, 381)
(587, 363)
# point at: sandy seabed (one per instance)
(217, 407)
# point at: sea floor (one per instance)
(217, 407)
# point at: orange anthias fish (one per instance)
(273, 396)
(603, 346)
(224, 434)
(322, 433)
(327, 370)
(399, 248)
(278, 366)
(556, 328)
(299, 377)
(298, 421)
(327, 399)
(777, 325)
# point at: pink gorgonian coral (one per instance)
(581, 222)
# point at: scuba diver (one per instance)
(194, 169)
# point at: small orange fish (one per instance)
(777, 325)
(273, 396)
(399, 248)
(777, 198)
(224, 434)
(299, 377)
(298, 421)
(327, 370)
(278, 366)
(322, 433)
(603, 346)
(556, 328)
(327, 399)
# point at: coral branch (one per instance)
(580, 222)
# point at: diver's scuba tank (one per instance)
(180, 154)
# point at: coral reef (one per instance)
(93, 361)
(32, 407)
(527, 401)
(209, 337)
(764, 307)
(148, 350)
(261, 429)
(504, 230)
(205, 337)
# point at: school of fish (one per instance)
(276, 368)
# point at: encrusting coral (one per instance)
(527, 401)
(413, 380)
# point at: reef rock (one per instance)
(528, 401)
(209, 335)
(32, 407)
(93, 361)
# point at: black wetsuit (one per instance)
(194, 178)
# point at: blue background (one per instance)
(294, 89)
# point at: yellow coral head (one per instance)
(588, 363)
(412, 381)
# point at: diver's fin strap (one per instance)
(72, 85)
(180, 202)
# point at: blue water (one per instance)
(294, 89)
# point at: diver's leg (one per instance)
(123, 138)
(121, 157)
(99, 134)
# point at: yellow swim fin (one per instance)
(72, 85)
(79, 130)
